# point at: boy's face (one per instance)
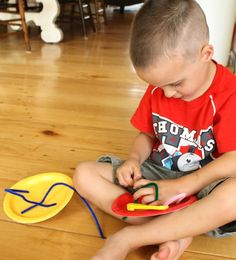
(178, 78)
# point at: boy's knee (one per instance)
(227, 198)
(82, 174)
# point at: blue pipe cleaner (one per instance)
(18, 193)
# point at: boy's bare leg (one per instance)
(200, 217)
(93, 180)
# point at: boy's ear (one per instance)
(207, 52)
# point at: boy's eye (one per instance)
(175, 85)
(178, 85)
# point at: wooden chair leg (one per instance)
(24, 25)
(104, 11)
(72, 13)
(100, 10)
(90, 15)
(80, 5)
(96, 10)
(122, 9)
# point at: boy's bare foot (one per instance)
(113, 249)
(172, 250)
(116, 249)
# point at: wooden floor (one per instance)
(60, 105)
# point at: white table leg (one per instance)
(45, 19)
(51, 33)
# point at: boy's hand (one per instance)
(129, 172)
(166, 190)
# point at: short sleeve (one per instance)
(142, 118)
(225, 125)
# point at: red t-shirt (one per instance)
(190, 133)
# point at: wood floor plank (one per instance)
(67, 98)
(27, 242)
(23, 158)
(91, 137)
(221, 247)
(195, 256)
(84, 116)
(31, 242)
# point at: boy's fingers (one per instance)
(137, 174)
(123, 182)
(125, 179)
(149, 199)
(140, 183)
(143, 192)
(128, 179)
(121, 179)
(156, 203)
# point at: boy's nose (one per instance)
(169, 92)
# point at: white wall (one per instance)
(221, 16)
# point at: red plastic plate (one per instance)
(119, 206)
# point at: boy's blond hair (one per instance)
(167, 28)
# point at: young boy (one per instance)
(187, 138)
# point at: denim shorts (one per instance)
(152, 171)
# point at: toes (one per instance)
(166, 251)
(162, 254)
(171, 250)
(155, 256)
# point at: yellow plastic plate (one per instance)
(37, 186)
